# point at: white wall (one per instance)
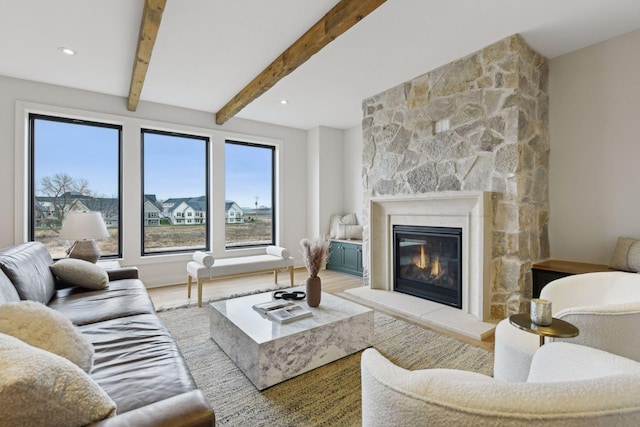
(325, 177)
(156, 270)
(594, 174)
(353, 189)
(335, 176)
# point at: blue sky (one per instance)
(174, 166)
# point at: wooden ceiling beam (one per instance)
(149, 26)
(339, 19)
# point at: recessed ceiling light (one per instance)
(284, 101)
(67, 50)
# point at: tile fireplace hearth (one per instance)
(424, 312)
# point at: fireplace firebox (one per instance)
(428, 263)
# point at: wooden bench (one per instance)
(205, 268)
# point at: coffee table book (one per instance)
(282, 311)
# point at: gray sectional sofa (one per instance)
(136, 360)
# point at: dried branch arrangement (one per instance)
(315, 254)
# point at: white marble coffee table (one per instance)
(268, 352)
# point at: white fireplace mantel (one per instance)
(470, 211)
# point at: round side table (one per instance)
(557, 329)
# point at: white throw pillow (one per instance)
(38, 388)
(81, 273)
(353, 232)
(333, 225)
(342, 231)
(43, 327)
(337, 229)
(349, 219)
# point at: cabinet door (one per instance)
(346, 258)
(335, 256)
(352, 257)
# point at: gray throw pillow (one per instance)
(626, 255)
(80, 273)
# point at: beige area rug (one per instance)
(326, 396)
(212, 293)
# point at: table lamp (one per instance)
(84, 227)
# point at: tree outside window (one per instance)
(74, 165)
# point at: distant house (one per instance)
(179, 211)
(44, 213)
(233, 213)
(52, 210)
(151, 211)
(186, 211)
(168, 205)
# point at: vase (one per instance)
(314, 288)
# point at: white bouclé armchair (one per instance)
(569, 385)
(604, 306)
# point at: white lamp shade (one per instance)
(83, 225)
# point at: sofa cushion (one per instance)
(27, 266)
(8, 292)
(136, 361)
(38, 388)
(40, 326)
(126, 297)
(78, 272)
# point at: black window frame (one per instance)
(207, 142)
(273, 194)
(32, 117)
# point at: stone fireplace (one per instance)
(468, 211)
(472, 135)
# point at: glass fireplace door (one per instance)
(428, 263)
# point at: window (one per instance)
(250, 194)
(175, 176)
(73, 165)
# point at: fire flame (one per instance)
(435, 268)
(423, 259)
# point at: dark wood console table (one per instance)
(547, 271)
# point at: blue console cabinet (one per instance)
(345, 257)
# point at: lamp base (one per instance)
(86, 250)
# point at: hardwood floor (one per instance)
(332, 282)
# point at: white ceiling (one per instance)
(208, 50)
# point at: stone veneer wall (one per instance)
(497, 104)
